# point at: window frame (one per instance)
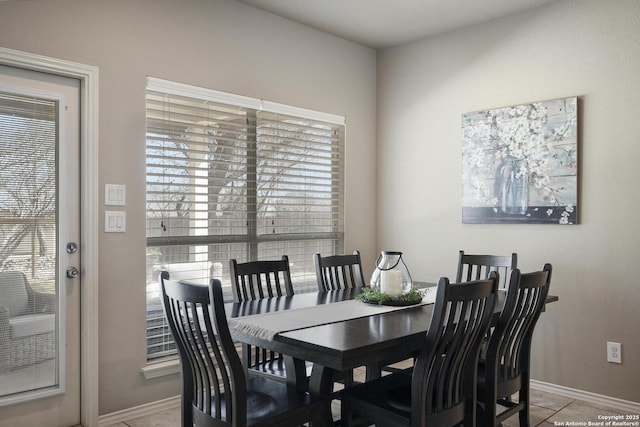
(252, 238)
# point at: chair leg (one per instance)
(344, 413)
(489, 414)
(470, 414)
(348, 379)
(316, 420)
(523, 415)
(187, 414)
(246, 359)
(373, 372)
(524, 396)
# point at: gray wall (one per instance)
(217, 44)
(586, 48)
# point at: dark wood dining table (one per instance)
(341, 345)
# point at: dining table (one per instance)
(335, 331)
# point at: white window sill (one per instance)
(161, 369)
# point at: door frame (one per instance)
(88, 77)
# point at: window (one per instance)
(30, 313)
(236, 177)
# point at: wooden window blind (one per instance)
(236, 177)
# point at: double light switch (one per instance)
(115, 221)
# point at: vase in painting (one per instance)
(513, 186)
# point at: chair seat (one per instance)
(389, 393)
(400, 398)
(392, 394)
(268, 399)
(28, 325)
(281, 399)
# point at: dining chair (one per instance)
(440, 390)
(336, 272)
(215, 390)
(475, 267)
(339, 271)
(255, 280)
(505, 370)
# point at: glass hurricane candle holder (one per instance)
(391, 276)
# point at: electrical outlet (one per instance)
(614, 352)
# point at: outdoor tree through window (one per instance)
(236, 177)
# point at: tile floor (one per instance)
(547, 409)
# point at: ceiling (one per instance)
(384, 23)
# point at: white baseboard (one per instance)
(138, 411)
(625, 405)
(173, 402)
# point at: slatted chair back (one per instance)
(506, 367)
(214, 384)
(339, 271)
(256, 280)
(476, 267)
(260, 279)
(443, 382)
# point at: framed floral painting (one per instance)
(520, 164)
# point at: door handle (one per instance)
(72, 272)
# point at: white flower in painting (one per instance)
(541, 181)
(564, 216)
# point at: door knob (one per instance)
(72, 272)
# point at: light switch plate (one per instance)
(115, 221)
(115, 195)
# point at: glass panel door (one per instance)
(39, 223)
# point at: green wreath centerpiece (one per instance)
(374, 296)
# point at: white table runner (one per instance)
(268, 325)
